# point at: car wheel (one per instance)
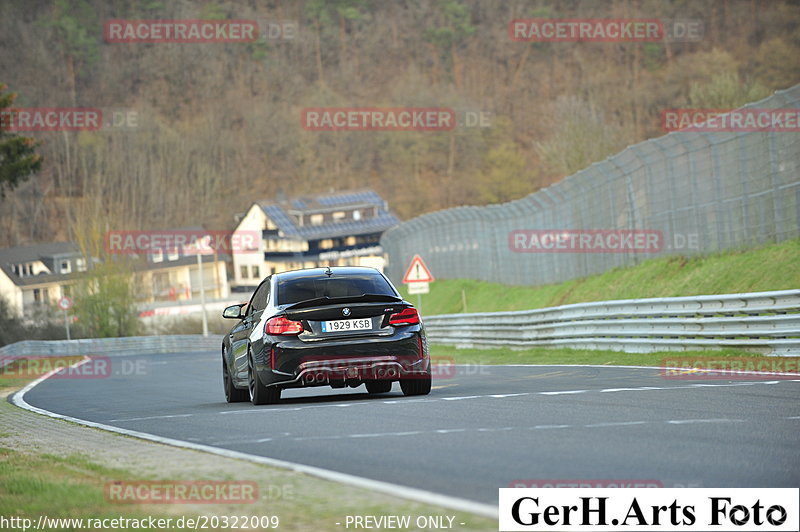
(260, 394)
(232, 394)
(416, 385)
(382, 386)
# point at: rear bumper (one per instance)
(346, 362)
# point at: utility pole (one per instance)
(202, 293)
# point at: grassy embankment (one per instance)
(770, 267)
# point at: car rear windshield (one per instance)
(296, 289)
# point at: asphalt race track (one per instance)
(480, 430)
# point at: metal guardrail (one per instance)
(129, 345)
(766, 322)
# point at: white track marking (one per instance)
(615, 424)
(463, 397)
(637, 367)
(385, 487)
(282, 409)
(610, 424)
(691, 421)
(414, 494)
(149, 417)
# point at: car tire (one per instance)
(232, 393)
(416, 385)
(260, 394)
(379, 386)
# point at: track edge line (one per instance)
(408, 493)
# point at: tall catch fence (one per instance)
(699, 192)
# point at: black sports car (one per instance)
(340, 326)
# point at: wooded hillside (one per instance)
(218, 125)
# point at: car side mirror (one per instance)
(233, 312)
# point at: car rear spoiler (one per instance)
(363, 298)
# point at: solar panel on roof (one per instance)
(381, 222)
(357, 197)
(281, 219)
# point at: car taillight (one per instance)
(407, 316)
(279, 326)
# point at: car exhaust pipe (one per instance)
(309, 377)
(391, 373)
(381, 373)
(321, 377)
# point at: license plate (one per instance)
(347, 325)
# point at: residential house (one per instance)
(33, 277)
(37, 276)
(342, 229)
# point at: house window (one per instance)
(158, 255)
(317, 219)
(256, 271)
(66, 290)
(65, 266)
(37, 295)
(173, 254)
(45, 295)
(81, 264)
(338, 215)
(160, 284)
(356, 214)
(243, 271)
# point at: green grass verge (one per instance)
(771, 267)
(21, 371)
(581, 356)
(43, 484)
(34, 484)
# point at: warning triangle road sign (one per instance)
(417, 272)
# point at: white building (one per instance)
(341, 229)
(37, 276)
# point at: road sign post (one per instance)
(202, 244)
(418, 278)
(418, 288)
(65, 304)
